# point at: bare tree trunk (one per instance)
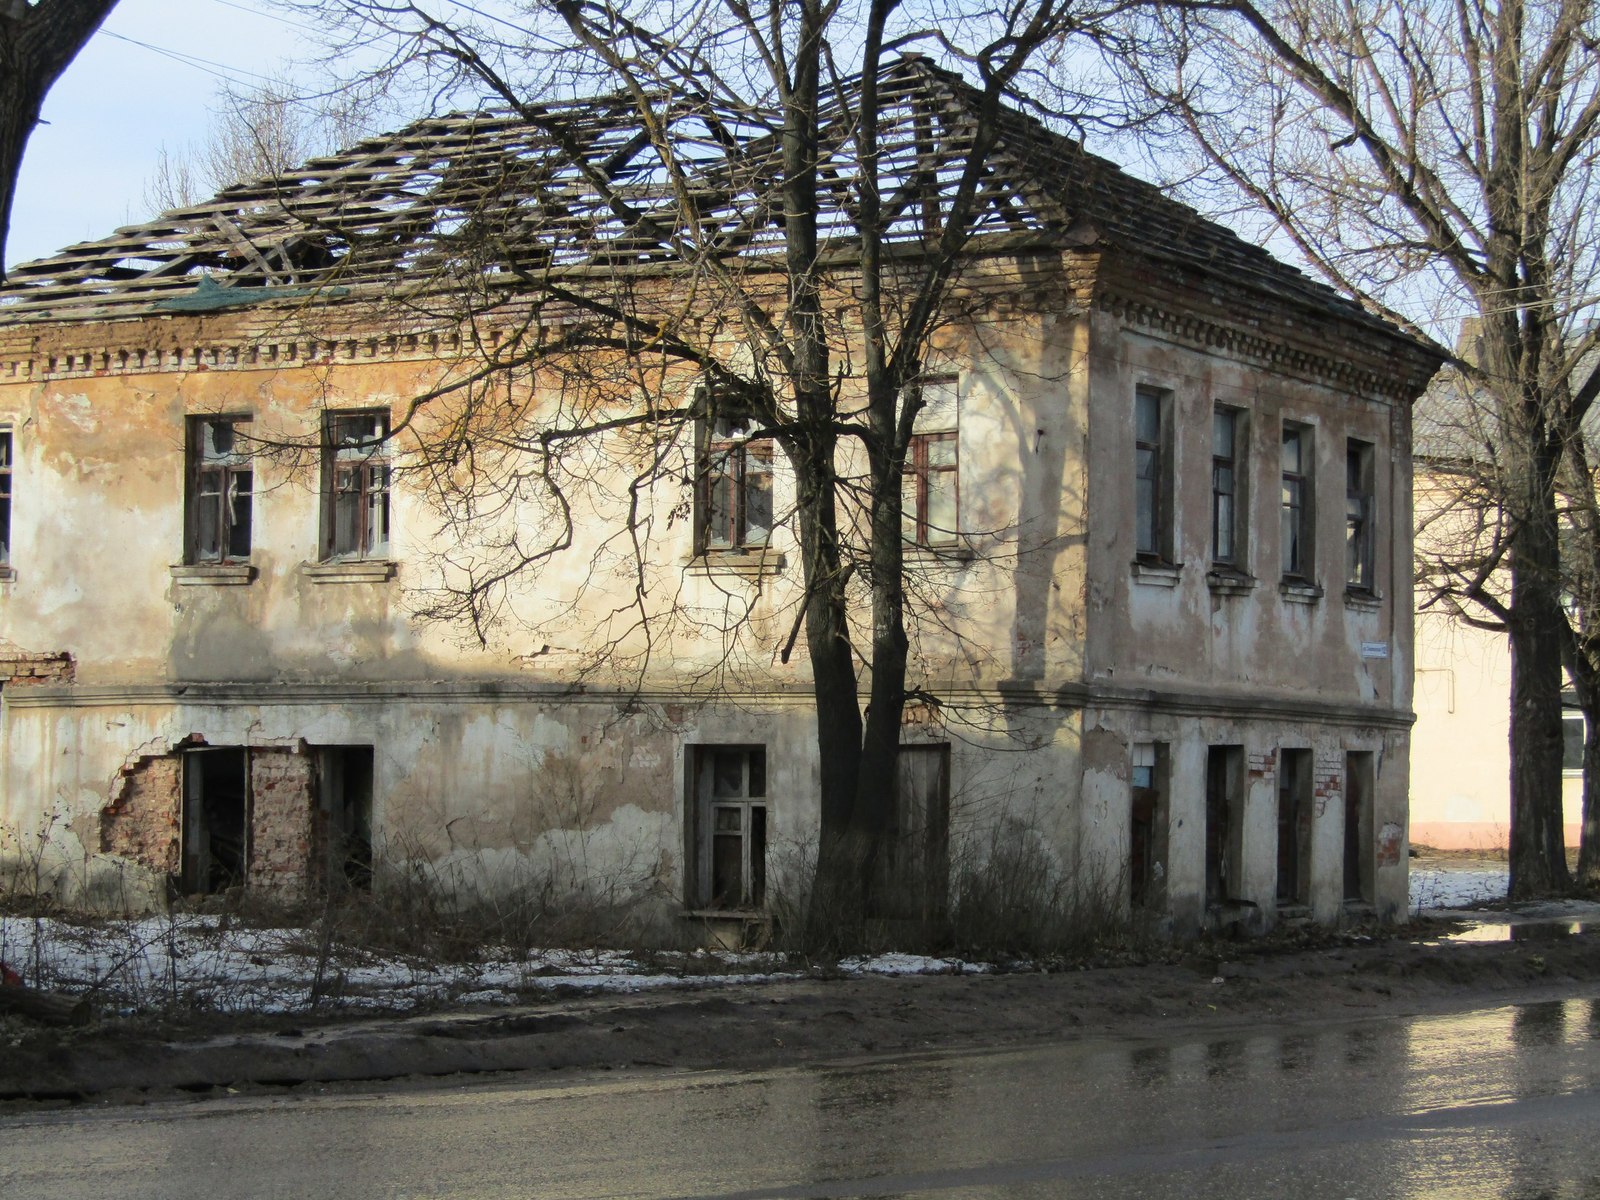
(36, 43)
(1589, 841)
(1538, 862)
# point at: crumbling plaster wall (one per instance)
(1178, 631)
(570, 798)
(1108, 739)
(99, 415)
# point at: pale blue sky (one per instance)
(110, 113)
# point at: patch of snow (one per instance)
(911, 964)
(1440, 888)
(196, 962)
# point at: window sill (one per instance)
(1362, 599)
(8, 573)
(744, 563)
(1231, 583)
(954, 552)
(1154, 574)
(355, 570)
(727, 914)
(212, 574)
(1298, 591)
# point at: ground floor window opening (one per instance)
(729, 843)
(918, 858)
(1359, 843)
(1147, 830)
(216, 819)
(1294, 826)
(1224, 824)
(344, 816)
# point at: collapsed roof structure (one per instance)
(584, 184)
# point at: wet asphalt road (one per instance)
(1498, 1103)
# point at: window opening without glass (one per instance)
(356, 478)
(221, 480)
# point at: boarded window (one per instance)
(918, 858)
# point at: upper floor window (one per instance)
(1152, 470)
(1297, 556)
(1227, 506)
(355, 485)
(931, 482)
(220, 483)
(734, 497)
(5, 498)
(1360, 515)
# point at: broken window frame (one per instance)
(356, 485)
(220, 503)
(1296, 545)
(733, 494)
(730, 828)
(1152, 475)
(1360, 520)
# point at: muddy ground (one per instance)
(1295, 977)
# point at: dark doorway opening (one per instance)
(216, 819)
(1224, 823)
(918, 847)
(1358, 839)
(1147, 830)
(1294, 826)
(345, 809)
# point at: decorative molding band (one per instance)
(1196, 332)
(1012, 694)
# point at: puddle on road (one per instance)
(1523, 931)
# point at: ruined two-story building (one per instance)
(1158, 528)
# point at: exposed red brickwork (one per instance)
(1390, 838)
(143, 820)
(1328, 782)
(21, 667)
(281, 783)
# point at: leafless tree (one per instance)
(1436, 161)
(259, 134)
(761, 223)
(38, 38)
